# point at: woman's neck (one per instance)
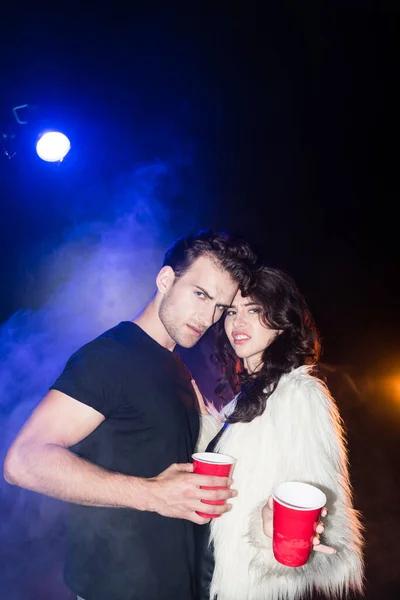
(252, 364)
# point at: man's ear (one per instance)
(165, 279)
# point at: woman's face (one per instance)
(246, 332)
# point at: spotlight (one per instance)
(53, 146)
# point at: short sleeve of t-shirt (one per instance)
(92, 376)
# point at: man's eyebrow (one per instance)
(210, 297)
(204, 292)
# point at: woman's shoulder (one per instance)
(301, 393)
(302, 382)
(303, 375)
(300, 376)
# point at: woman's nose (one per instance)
(239, 321)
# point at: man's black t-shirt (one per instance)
(152, 421)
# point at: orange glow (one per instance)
(393, 387)
(395, 381)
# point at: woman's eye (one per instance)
(230, 313)
(200, 294)
(254, 311)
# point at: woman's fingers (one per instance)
(200, 399)
(324, 549)
(320, 528)
(267, 514)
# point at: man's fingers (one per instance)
(195, 518)
(215, 494)
(213, 509)
(324, 512)
(270, 502)
(210, 481)
(320, 528)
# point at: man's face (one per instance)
(195, 301)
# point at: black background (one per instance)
(290, 114)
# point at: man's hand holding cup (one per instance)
(180, 492)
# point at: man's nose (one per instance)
(208, 316)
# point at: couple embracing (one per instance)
(115, 434)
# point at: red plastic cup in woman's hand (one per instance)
(212, 463)
(297, 508)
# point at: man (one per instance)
(115, 434)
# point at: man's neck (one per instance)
(150, 322)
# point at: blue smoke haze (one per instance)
(102, 273)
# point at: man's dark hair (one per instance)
(232, 255)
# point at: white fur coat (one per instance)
(299, 437)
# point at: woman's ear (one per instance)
(165, 279)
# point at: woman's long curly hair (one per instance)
(283, 309)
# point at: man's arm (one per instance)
(39, 460)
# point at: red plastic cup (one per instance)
(297, 509)
(212, 463)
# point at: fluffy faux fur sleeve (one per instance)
(209, 427)
(309, 446)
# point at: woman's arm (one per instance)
(267, 515)
(310, 447)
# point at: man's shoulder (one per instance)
(113, 345)
(124, 333)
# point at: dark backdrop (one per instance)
(279, 124)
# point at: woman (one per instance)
(283, 425)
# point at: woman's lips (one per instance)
(240, 338)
